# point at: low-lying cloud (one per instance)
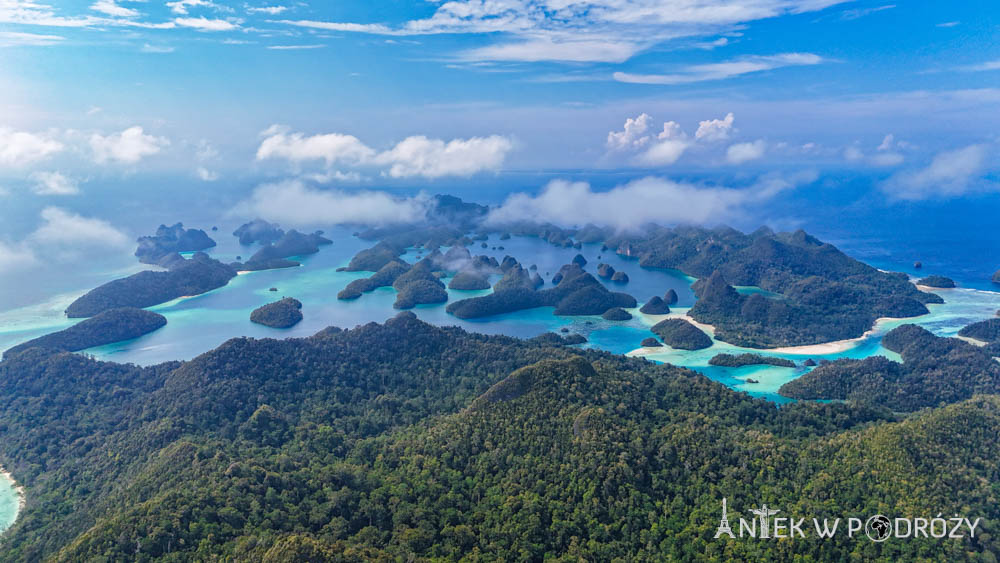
(949, 174)
(644, 201)
(293, 203)
(127, 147)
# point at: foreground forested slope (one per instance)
(405, 441)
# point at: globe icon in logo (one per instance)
(878, 528)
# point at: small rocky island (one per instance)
(285, 313)
(682, 335)
(260, 231)
(616, 314)
(575, 293)
(655, 306)
(108, 327)
(940, 282)
(163, 248)
(735, 361)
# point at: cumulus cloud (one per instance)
(296, 204)
(745, 152)
(20, 148)
(64, 228)
(128, 147)
(53, 183)
(416, 156)
(648, 200)
(633, 135)
(667, 147)
(206, 175)
(715, 129)
(434, 158)
(332, 148)
(949, 174)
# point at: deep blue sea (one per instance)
(958, 239)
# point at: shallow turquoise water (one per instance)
(8, 503)
(199, 324)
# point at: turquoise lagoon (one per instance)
(201, 323)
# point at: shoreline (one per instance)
(821, 349)
(19, 490)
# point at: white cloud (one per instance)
(147, 48)
(294, 47)
(434, 158)
(648, 200)
(982, 67)
(332, 148)
(745, 152)
(715, 129)
(181, 7)
(17, 38)
(948, 24)
(20, 148)
(202, 23)
(550, 49)
(722, 70)
(579, 30)
(950, 173)
(294, 203)
(64, 228)
(633, 135)
(414, 156)
(53, 183)
(128, 146)
(111, 8)
(663, 153)
(270, 10)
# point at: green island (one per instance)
(681, 334)
(194, 276)
(106, 327)
(346, 447)
(740, 360)
(935, 371)
(284, 313)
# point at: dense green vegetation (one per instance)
(576, 293)
(110, 326)
(385, 276)
(986, 331)
(937, 281)
(617, 314)
(418, 286)
(284, 313)
(740, 360)
(260, 231)
(682, 335)
(292, 243)
(825, 294)
(347, 447)
(935, 371)
(469, 280)
(190, 277)
(655, 306)
(163, 247)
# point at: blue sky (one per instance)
(334, 97)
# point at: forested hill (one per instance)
(405, 441)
